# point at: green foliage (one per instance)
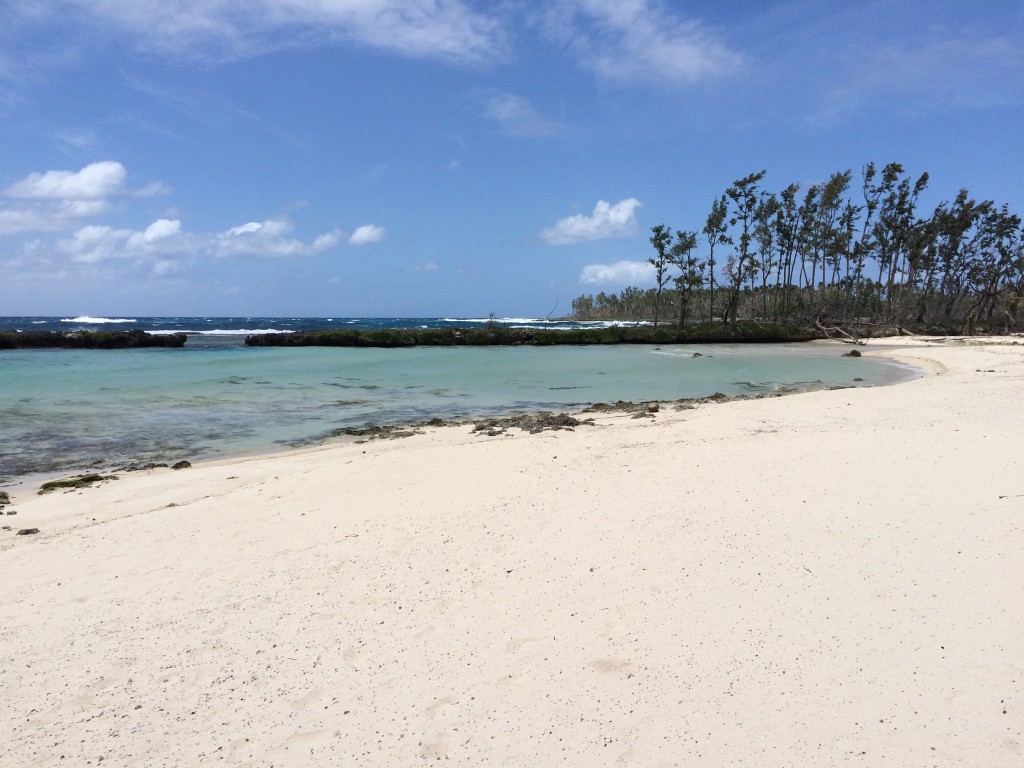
(831, 259)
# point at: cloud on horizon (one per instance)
(607, 221)
(620, 274)
(266, 240)
(61, 200)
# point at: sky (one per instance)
(423, 158)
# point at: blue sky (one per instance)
(448, 157)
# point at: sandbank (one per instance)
(833, 578)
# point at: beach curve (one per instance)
(826, 579)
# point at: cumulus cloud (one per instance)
(608, 220)
(66, 201)
(639, 40)
(61, 200)
(517, 117)
(439, 29)
(161, 229)
(267, 239)
(97, 181)
(161, 243)
(367, 234)
(621, 273)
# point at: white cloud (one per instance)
(165, 246)
(517, 117)
(65, 200)
(325, 242)
(638, 40)
(14, 220)
(267, 239)
(608, 220)
(619, 274)
(166, 268)
(152, 189)
(161, 242)
(48, 216)
(441, 29)
(367, 234)
(62, 200)
(161, 229)
(97, 181)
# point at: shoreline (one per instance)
(827, 579)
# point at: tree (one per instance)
(715, 231)
(691, 270)
(961, 266)
(768, 208)
(787, 227)
(744, 195)
(661, 237)
(829, 233)
(865, 244)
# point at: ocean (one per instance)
(71, 410)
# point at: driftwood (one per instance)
(846, 338)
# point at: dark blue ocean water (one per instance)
(66, 410)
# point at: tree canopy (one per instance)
(836, 256)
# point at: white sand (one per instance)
(833, 578)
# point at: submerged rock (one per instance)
(852, 353)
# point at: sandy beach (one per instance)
(832, 578)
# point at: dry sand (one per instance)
(834, 578)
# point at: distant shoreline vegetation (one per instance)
(869, 266)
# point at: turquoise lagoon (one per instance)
(67, 410)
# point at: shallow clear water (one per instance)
(70, 409)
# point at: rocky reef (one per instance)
(88, 339)
(500, 335)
